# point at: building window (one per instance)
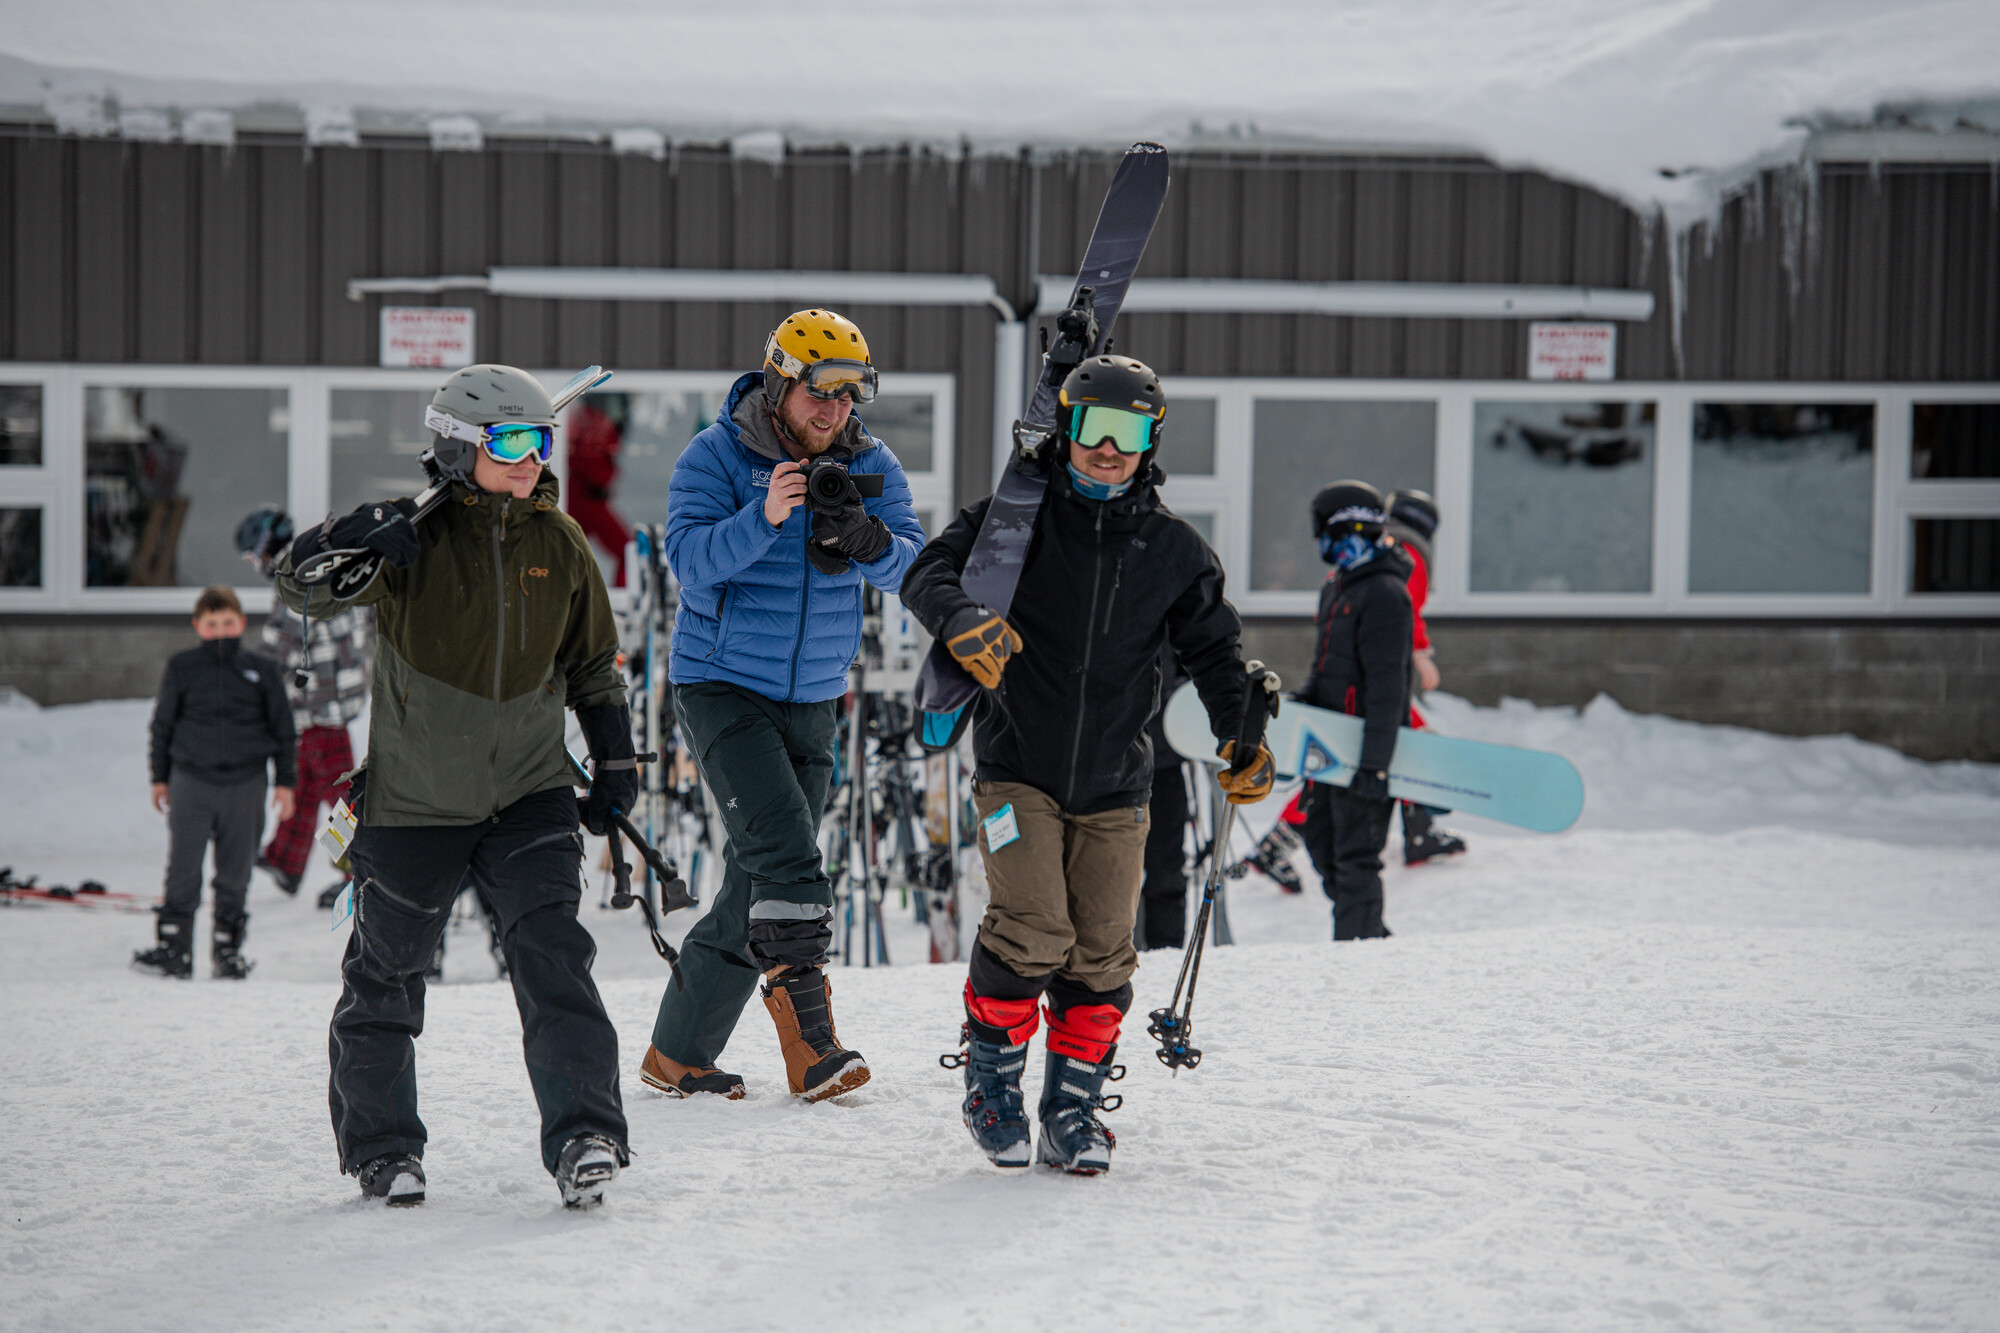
(1954, 440)
(375, 437)
(21, 548)
(1562, 496)
(1781, 497)
(1300, 445)
(20, 425)
(1187, 438)
(168, 474)
(1955, 555)
(906, 422)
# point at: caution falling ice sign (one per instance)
(1572, 351)
(424, 335)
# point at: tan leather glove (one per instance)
(982, 642)
(1253, 784)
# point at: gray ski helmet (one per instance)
(1348, 506)
(1416, 510)
(486, 395)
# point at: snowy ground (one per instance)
(1726, 1055)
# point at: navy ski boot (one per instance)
(993, 1053)
(1082, 1043)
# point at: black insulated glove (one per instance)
(852, 532)
(614, 774)
(382, 526)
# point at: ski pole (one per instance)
(1174, 1025)
(673, 889)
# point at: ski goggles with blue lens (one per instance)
(1129, 432)
(504, 441)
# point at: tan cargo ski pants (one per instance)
(1064, 889)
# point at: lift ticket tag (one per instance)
(1000, 827)
(338, 833)
(343, 906)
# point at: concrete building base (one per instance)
(1929, 689)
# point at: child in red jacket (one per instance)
(1413, 520)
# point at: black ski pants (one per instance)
(1163, 897)
(769, 765)
(1344, 834)
(528, 860)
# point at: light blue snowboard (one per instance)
(1528, 788)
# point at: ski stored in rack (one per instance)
(944, 692)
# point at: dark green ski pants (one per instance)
(769, 766)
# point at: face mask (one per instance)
(1346, 552)
(1092, 489)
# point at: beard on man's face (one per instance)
(797, 412)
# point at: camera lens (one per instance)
(829, 485)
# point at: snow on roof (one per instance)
(1658, 102)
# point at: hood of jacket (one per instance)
(749, 422)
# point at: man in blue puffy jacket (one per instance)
(769, 621)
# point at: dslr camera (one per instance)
(830, 487)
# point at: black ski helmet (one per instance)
(1114, 381)
(1348, 506)
(264, 532)
(1415, 510)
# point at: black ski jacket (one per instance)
(1362, 662)
(1105, 584)
(221, 716)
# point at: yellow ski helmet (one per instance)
(822, 350)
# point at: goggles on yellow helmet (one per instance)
(829, 378)
(1091, 424)
(503, 441)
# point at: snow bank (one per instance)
(1609, 92)
(1646, 771)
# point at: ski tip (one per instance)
(1147, 146)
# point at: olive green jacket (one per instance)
(502, 622)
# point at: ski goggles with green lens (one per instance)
(1130, 432)
(504, 441)
(831, 379)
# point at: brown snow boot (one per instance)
(679, 1080)
(801, 1004)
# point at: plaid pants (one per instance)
(324, 754)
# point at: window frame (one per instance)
(1896, 498)
(57, 484)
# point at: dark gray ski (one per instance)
(944, 692)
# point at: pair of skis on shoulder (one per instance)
(945, 694)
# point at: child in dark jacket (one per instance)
(221, 717)
(1361, 667)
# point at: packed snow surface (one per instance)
(1612, 92)
(1724, 1056)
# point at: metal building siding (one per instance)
(163, 253)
